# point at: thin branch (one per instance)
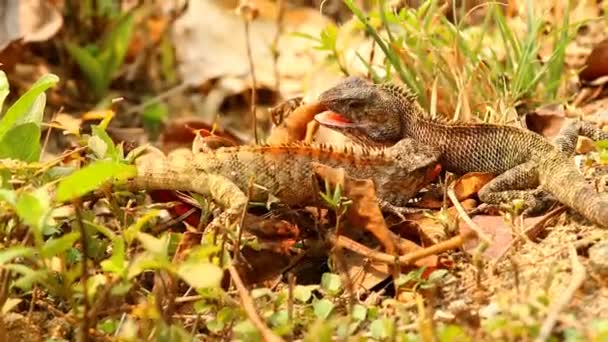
(249, 308)
(249, 13)
(84, 324)
(406, 259)
(275, 46)
(578, 277)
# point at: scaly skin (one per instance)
(521, 159)
(286, 172)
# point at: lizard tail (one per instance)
(569, 186)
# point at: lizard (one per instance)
(286, 172)
(527, 166)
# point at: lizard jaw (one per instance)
(333, 119)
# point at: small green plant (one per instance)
(602, 147)
(484, 70)
(99, 63)
(419, 282)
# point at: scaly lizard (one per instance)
(527, 165)
(286, 172)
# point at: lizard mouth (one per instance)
(333, 119)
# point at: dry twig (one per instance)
(578, 277)
(408, 259)
(249, 308)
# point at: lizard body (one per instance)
(286, 172)
(521, 159)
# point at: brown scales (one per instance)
(527, 166)
(286, 172)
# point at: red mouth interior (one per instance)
(333, 119)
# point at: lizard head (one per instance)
(366, 112)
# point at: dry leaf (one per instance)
(469, 184)
(584, 145)
(547, 120)
(364, 210)
(182, 132)
(595, 65)
(30, 20)
(217, 46)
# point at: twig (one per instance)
(85, 276)
(465, 217)
(170, 92)
(239, 234)
(275, 46)
(578, 277)
(455, 242)
(249, 13)
(249, 308)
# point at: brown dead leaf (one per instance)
(584, 145)
(30, 20)
(224, 56)
(430, 230)
(547, 120)
(293, 126)
(260, 265)
(364, 210)
(595, 65)
(181, 133)
(469, 184)
(364, 273)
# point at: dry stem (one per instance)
(249, 308)
(578, 277)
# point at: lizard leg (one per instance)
(568, 135)
(520, 182)
(398, 211)
(224, 192)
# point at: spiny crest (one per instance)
(399, 91)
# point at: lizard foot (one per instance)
(539, 202)
(398, 211)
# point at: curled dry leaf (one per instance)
(364, 210)
(469, 184)
(181, 133)
(431, 230)
(295, 122)
(546, 120)
(584, 145)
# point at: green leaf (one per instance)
(91, 68)
(8, 196)
(331, 283)
(117, 43)
(359, 312)
(131, 232)
(116, 263)
(602, 144)
(323, 308)
(437, 275)
(54, 247)
(21, 142)
(33, 208)
(10, 253)
(4, 88)
(382, 328)
(110, 146)
(23, 109)
(157, 246)
(303, 293)
(200, 275)
(92, 177)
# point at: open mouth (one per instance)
(333, 119)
